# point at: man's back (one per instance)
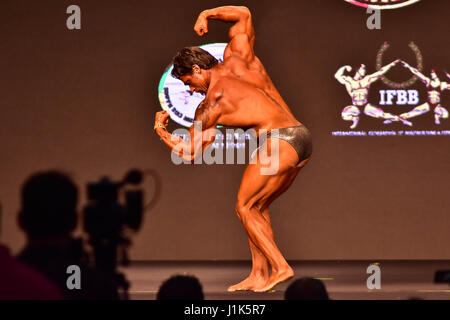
(254, 73)
(248, 96)
(20, 282)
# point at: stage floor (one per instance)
(344, 280)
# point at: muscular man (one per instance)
(358, 89)
(239, 93)
(435, 86)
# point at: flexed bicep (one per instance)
(339, 75)
(241, 34)
(242, 37)
(240, 45)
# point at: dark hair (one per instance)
(187, 57)
(49, 201)
(181, 288)
(306, 289)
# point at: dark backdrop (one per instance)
(84, 102)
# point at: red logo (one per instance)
(382, 4)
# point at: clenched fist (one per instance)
(348, 68)
(162, 117)
(201, 25)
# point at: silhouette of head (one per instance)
(181, 288)
(434, 75)
(191, 65)
(360, 73)
(49, 201)
(434, 78)
(306, 289)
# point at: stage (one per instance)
(344, 280)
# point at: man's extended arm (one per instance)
(374, 76)
(417, 73)
(241, 35)
(445, 85)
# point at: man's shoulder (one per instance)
(217, 91)
(232, 60)
(236, 63)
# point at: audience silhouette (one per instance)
(181, 287)
(306, 289)
(48, 216)
(19, 282)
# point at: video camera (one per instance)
(106, 221)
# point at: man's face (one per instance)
(196, 80)
(360, 73)
(433, 75)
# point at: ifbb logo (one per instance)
(358, 82)
(382, 4)
(176, 98)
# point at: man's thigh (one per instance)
(257, 189)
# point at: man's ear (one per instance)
(196, 69)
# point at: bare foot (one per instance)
(250, 283)
(275, 279)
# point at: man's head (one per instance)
(180, 287)
(434, 79)
(434, 75)
(360, 73)
(192, 66)
(49, 201)
(306, 289)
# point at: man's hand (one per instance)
(347, 68)
(162, 118)
(408, 123)
(393, 63)
(201, 25)
(405, 64)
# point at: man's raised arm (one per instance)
(339, 75)
(241, 35)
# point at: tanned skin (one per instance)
(239, 93)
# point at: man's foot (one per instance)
(355, 123)
(250, 283)
(275, 279)
(408, 123)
